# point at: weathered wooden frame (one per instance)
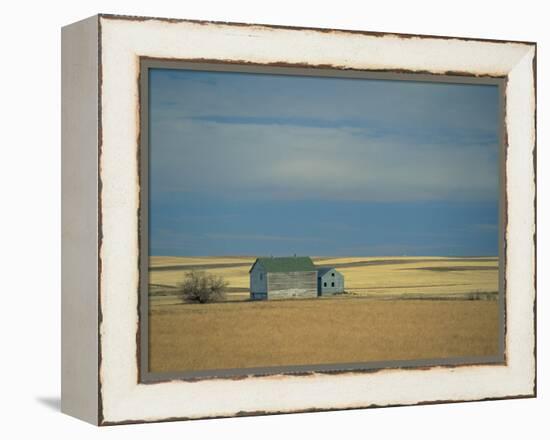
(101, 209)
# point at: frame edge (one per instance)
(127, 17)
(80, 226)
(112, 421)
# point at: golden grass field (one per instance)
(395, 308)
(364, 276)
(324, 331)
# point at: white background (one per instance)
(30, 217)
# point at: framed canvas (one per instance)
(264, 219)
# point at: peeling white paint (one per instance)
(123, 41)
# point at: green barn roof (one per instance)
(286, 264)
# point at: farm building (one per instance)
(292, 277)
(329, 281)
(283, 277)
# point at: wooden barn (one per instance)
(329, 281)
(283, 277)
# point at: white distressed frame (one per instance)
(122, 41)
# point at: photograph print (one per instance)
(301, 220)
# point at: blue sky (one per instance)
(255, 164)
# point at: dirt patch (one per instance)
(452, 268)
(406, 261)
(198, 266)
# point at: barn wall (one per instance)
(337, 279)
(258, 287)
(292, 284)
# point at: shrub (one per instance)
(202, 287)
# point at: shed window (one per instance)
(261, 276)
(332, 274)
(332, 284)
(324, 284)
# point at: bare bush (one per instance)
(202, 287)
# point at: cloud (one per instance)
(485, 227)
(322, 138)
(415, 107)
(297, 162)
(261, 237)
(244, 164)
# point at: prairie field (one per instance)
(324, 331)
(380, 277)
(394, 308)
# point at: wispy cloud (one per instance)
(297, 162)
(485, 226)
(249, 142)
(299, 121)
(262, 237)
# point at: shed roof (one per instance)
(323, 270)
(286, 264)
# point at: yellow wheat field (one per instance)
(393, 309)
(244, 334)
(364, 276)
